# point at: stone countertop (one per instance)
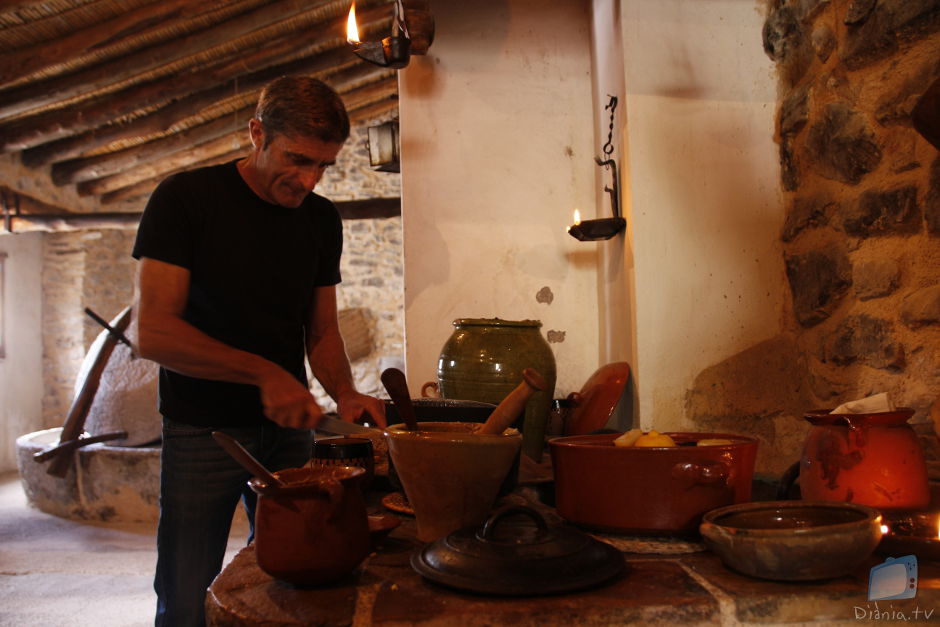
(691, 588)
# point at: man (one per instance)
(237, 275)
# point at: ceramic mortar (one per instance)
(450, 474)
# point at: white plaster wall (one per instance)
(497, 150)
(21, 369)
(706, 207)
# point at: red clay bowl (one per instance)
(649, 491)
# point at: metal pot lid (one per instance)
(513, 558)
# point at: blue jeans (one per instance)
(200, 485)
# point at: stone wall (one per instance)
(862, 200)
(861, 227)
(94, 269)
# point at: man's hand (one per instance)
(288, 402)
(356, 407)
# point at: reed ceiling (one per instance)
(101, 99)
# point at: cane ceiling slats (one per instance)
(100, 99)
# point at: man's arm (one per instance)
(166, 338)
(330, 364)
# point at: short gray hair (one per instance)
(302, 106)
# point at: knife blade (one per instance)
(335, 425)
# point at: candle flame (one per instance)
(577, 217)
(352, 31)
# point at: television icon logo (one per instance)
(895, 579)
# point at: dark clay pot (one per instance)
(314, 529)
(483, 361)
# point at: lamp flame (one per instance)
(352, 31)
(884, 529)
(577, 217)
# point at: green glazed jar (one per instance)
(483, 361)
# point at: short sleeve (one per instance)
(166, 232)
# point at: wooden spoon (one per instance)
(397, 387)
(246, 459)
(513, 405)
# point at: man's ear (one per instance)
(256, 133)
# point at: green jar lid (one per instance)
(495, 322)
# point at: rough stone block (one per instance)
(789, 172)
(805, 213)
(893, 212)
(824, 42)
(818, 281)
(858, 11)
(876, 278)
(842, 145)
(787, 44)
(932, 200)
(865, 339)
(922, 307)
(890, 23)
(794, 112)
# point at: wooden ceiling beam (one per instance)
(102, 131)
(158, 168)
(278, 14)
(15, 64)
(229, 77)
(85, 169)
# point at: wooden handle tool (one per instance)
(514, 404)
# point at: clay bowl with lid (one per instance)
(659, 491)
(793, 540)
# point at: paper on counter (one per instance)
(875, 404)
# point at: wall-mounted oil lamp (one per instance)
(412, 31)
(601, 228)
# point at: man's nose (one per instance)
(310, 177)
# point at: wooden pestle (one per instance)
(514, 403)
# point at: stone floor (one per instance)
(60, 572)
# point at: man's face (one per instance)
(288, 169)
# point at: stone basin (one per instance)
(107, 483)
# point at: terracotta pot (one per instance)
(314, 529)
(871, 459)
(483, 361)
(649, 491)
(451, 475)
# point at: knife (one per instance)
(335, 425)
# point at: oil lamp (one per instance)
(603, 228)
(911, 533)
(395, 50)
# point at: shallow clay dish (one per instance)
(793, 540)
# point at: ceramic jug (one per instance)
(314, 528)
(483, 360)
(870, 459)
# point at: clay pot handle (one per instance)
(430, 390)
(702, 474)
(333, 490)
(489, 527)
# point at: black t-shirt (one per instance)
(253, 269)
